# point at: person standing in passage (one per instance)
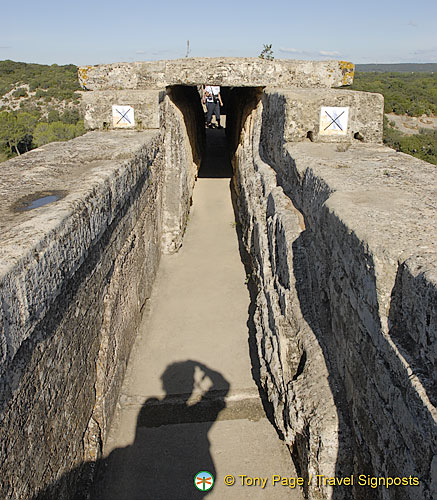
(213, 101)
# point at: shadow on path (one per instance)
(171, 443)
(167, 452)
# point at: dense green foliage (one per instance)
(56, 131)
(413, 94)
(47, 107)
(57, 81)
(20, 132)
(398, 67)
(16, 131)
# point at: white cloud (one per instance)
(152, 52)
(310, 53)
(412, 23)
(329, 53)
(424, 52)
(291, 51)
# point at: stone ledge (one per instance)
(387, 198)
(226, 71)
(388, 201)
(40, 248)
(97, 107)
(302, 109)
(370, 216)
(74, 277)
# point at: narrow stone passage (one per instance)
(189, 402)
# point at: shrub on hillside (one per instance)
(20, 92)
(56, 131)
(40, 93)
(61, 80)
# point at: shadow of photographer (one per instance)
(171, 443)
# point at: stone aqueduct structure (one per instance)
(341, 234)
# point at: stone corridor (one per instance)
(189, 401)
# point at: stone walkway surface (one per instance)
(189, 402)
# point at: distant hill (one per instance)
(408, 93)
(38, 104)
(398, 68)
(408, 89)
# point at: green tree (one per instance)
(16, 130)
(70, 116)
(414, 94)
(53, 116)
(56, 131)
(26, 123)
(422, 145)
(267, 52)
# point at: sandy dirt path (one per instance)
(412, 124)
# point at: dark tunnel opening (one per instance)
(213, 148)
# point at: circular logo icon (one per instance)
(204, 480)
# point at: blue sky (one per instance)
(95, 32)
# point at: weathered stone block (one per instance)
(97, 108)
(225, 71)
(305, 119)
(63, 269)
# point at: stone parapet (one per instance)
(342, 243)
(71, 292)
(75, 274)
(344, 275)
(234, 72)
(359, 114)
(97, 108)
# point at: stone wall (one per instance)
(225, 71)
(341, 241)
(74, 277)
(300, 109)
(96, 107)
(184, 131)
